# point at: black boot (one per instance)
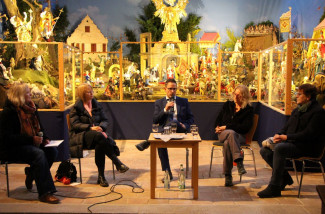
(228, 181)
(287, 180)
(102, 181)
(240, 167)
(119, 165)
(29, 178)
(143, 145)
(271, 191)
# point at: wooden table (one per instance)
(187, 142)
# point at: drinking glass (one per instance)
(167, 130)
(195, 132)
(174, 127)
(192, 128)
(155, 128)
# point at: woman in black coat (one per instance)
(88, 130)
(22, 140)
(233, 122)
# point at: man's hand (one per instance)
(182, 125)
(96, 128)
(219, 129)
(278, 138)
(169, 105)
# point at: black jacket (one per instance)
(240, 121)
(10, 130)
(306, 129)
(81, 121)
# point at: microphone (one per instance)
(40, 134)
(171, 110)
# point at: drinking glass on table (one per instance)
(173, 127)
(155, 128)
(167, 130)
(195, 132)
(192, 128)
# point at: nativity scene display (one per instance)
(204, 68)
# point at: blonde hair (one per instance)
(82, 89)
(245, 95)
(16, 94)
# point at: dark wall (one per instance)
(132, 120)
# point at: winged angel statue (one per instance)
(170, 15)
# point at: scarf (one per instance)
(304, 107)
(28, 120)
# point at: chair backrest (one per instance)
(250, 134)
(68, 121)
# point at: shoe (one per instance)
(29, 178)
(240, 167)
(119, 165)
(142, 146)
(271, 191)
(49, 198)
(228, 181)
(170, 177)
(287, 180)
(102, 181)
(122, 168)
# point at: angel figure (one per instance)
(170, 15)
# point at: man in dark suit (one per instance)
(170, 109)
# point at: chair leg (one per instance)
(254, 160)
(113, 170)
(80, 170)
(302, 174)
(294, 167)
(322, 168)
(187, 166)
(7, 177)
(211, 161)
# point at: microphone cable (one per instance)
(112, 190)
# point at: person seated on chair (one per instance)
(170, 109)
(23, 141)
(233, 122)
(301, 136)
(89, 130)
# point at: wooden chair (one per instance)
(311, 159)
(247, 145)
(79, 159)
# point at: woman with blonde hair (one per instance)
(89, 130)
(233, 122)
(22, 140)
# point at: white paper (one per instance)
(54, 143)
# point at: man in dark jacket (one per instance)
(301, 136)
(170, 109)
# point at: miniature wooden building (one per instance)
(88, 38)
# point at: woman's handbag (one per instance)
(66, 172)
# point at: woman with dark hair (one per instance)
(88, 130)
(22, 140)
(303, 135)
(233, 122)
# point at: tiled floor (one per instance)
(213, 196)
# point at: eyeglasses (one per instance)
(172, 89)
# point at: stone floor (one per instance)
(213, 196)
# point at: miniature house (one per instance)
(88, 38)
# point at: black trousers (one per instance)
(103, 146)
(277, 160)
(40, 161)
